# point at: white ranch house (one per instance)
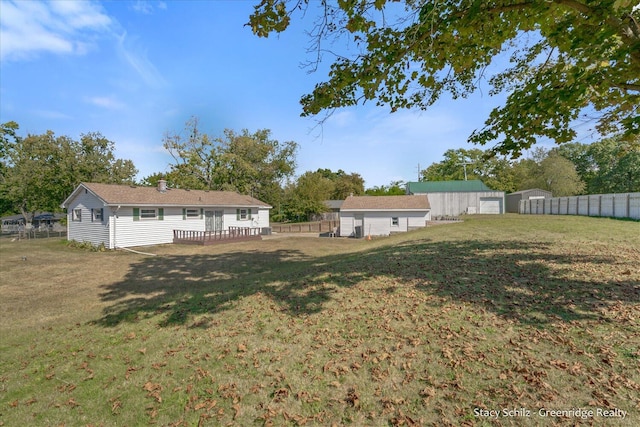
(362, 216)
(120, 216)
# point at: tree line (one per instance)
(611, 165)
(38, 172)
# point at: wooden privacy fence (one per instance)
(623, 205)
(306, 227)
(233, 234)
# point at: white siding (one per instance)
(155, 231)
(379, 223)
(458, 203)
(259, 218)
(87, 230)
(346, 224)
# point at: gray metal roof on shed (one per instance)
(418, 202)
(334, 204)
(536, 191)
(130, 195)
(446, 186)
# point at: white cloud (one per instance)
(147, 7)
(51, 114)
(107, 102)
(142, 7)
(61, 27)
(341, 118)
(136, 57)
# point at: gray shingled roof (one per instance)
(419, 202)
(127, 195)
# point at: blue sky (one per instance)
(134, 70)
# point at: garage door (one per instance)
(490, 205)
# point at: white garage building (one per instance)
(362, 216)
(454, 198)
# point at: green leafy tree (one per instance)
(249, 163)
(8, 140)
(42, 170)
(344, 184)
(580, 156)
(566, 57)
(195, 155)
(559, 176)
(459, 164)
(550, 171)
(307, 195)
(395, 188)
(611, 165)
(253, 163)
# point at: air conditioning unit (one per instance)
(472, 210)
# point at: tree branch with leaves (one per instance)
(568, 57)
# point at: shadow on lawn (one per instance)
(527, 282)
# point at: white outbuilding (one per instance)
(362, 216)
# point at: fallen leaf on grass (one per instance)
(353, 398)
(236, 408)
(153, 390)
(208, 404)
(72, 403)
(115, 406)
(66, 387)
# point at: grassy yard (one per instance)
(433, 327)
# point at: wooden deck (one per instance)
(233, 234)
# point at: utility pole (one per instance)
(464, 165)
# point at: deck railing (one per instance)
(210, 237)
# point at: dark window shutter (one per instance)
(184, 213)
(238, 214)
(201, 213)
(136, 214)
(160, 214)
(102, 214)
(248, 213)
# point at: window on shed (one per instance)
(395, 221)
(243, 214)
(96, 215)
(193, 213)
(76, 215)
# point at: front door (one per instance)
(219, 221)
(209, 223)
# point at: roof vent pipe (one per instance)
(162, 186)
